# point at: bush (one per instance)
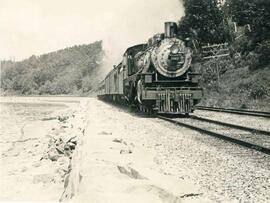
(47, 88)
(263, 51)
(251, 60)
(257, 91)
(87, 84)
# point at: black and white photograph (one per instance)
(135, 101)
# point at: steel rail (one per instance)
(220, 136)
(236, 111)
(253, 130)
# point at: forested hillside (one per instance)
(73, 70)
(241, 79)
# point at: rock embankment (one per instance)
(35, 166)
(62, 145)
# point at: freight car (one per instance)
(156, 76)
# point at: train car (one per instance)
(156, 76)
(111, 88)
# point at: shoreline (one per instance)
(89, 94)
(32, 166)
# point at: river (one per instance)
(17, 112)
(26, 124)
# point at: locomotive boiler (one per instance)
(156, 76)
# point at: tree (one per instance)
(203, 22)
(256, 14)
(60, 72)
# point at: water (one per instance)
(15, 115)
(24, 141)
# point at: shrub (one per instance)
(257, 91)
(252, 61)
(264, 53)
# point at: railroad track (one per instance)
(236, 111)
(251, 138)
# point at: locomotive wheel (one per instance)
(145, 110)
(140, 108)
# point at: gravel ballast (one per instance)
(222, 171)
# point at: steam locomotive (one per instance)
(156, 77)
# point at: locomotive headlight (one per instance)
(174, 49)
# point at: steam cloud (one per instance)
(135, 23)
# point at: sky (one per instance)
(34, 27)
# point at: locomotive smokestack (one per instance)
(170, 29)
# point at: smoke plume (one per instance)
(134, 23)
